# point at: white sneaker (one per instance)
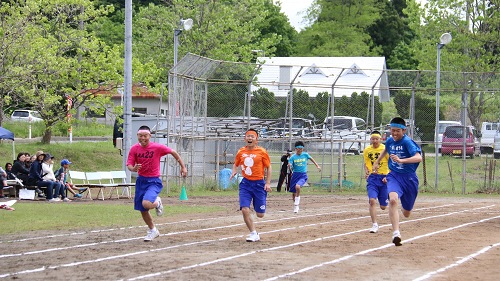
(396, 239)
(66, 199)
(296, 209)
(152, 234)
(159, 209)
(253, 237)
(54, 200)
(374, 229)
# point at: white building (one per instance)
(342, 75)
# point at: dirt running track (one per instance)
(444, 239)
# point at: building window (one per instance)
(141, 110)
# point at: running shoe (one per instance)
(159, 209)
(396, 239)
(253, 237)
(152, 234)
(77, 196)
(374, 229)
(296, 209)
(82, 190)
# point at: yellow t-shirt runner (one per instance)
(371, 155)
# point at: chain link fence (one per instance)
(212, 103)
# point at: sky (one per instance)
(291, 8)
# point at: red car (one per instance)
(453, 141)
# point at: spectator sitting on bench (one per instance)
(21, 171)
(48, 175)
(62, 175)
(8, 170)
(35, 178)
(3, 181)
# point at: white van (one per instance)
(347, 128)
(441, 128)
(488, 132)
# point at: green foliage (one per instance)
(357, 106)
(301, 104)
(424, 121)
(264, 104)
(276, 25)
(320, 106)
(225, 30)
(474, 27)
(338, 29)
(225, 100)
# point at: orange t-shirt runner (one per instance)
(252, 162)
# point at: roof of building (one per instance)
(320, 74)
(139, 91)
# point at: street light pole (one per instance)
(183, 25)
(445, 39)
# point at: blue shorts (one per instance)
(406, 186)
(377, 189)
(297, 178)
(253, 190)
(146, 188)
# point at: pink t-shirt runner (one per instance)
(148, 157)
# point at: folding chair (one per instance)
(126, 186)
(94, 181)
(109, 176)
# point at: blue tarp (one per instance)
(224, 176)
(6, 134)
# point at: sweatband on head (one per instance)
(143, 132)
(398, 125)
(299, 146)
(375, 135)
(252, 132)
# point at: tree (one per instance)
(224, 30)
(390, 30)
(301, 104)
(339, 29)
(475, 47)
(357, 106)
(63, 58)
(276, 25)
(424, 121)
(264, 104)
(320, 106)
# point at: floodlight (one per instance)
(446, 38)
(188, 24)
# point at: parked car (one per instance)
(301, 127)
(347, 128)
(387, 133)
(453, 141)
(488, 132)
(441, 128)
(26, 115)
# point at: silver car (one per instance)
(26, 115)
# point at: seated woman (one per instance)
(48, 175)
(20, 170)
(35, 178)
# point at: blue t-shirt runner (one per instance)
(298, 164)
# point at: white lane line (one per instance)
(167, 234)
(471, 256)
(375, 249)
(190, 231)
(221, 239)
(158, 224)
(286, 246)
